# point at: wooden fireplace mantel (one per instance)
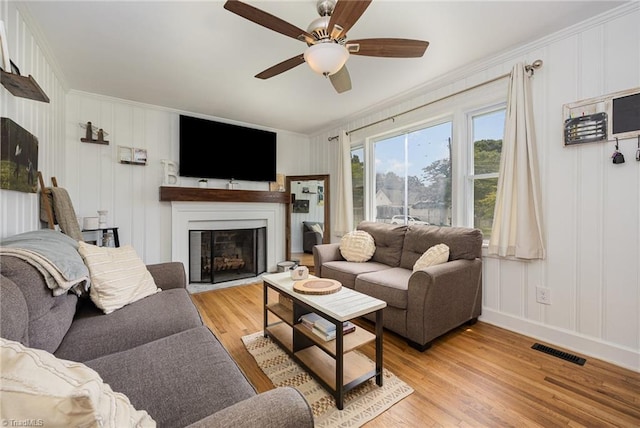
(197, 194)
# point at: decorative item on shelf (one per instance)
(132, 155)
(90, 223)
(91, 131)
(231, 185)
(169, 173)
(107, 240)
(299, 272)
(4, 49)
(278, 185)
(102, 218)
(202, 183)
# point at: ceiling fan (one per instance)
(326, 37)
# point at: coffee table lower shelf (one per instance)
(357, 367)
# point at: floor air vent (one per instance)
(560, 354)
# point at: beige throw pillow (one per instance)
(433, 256)
(357, 246)
(36, 386)
(317, 228)
(118, 276)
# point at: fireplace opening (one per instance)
(226, 255)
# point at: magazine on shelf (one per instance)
(315, 321)
(324, 336)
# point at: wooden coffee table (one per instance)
(332, 363)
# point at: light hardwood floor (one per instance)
(475, 376)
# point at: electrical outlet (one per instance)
(543, 295)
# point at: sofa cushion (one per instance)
(118, 276)
(357, 246)
(14, 315)
(37, 386)
(94, 334)
(463, 242)
(180, 379)
(389, 285)
(435, 255)
(389, 239)
(49, 316)
(346, 272)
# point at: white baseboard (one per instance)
(569, 340)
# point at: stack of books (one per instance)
(323, 328)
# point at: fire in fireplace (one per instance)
(226, 255)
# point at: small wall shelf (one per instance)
(23, 86)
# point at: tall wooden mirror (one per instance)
(308, 220)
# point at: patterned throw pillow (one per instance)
(36, 386)
(433, 256)
(357, 246)
(118, 276)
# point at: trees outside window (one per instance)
(413, 175)
(488, 130)
(409, 174)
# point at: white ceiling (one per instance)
(195, 56)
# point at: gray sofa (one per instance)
(156, 351)
(310, 237)
(421, 305)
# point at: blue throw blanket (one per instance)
(54, 254)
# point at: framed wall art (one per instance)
(301, 206)
(18, 158)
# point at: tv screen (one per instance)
(210, 149)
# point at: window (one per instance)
(487, 132)
(357, 178)
(441, 168)
(413, 176)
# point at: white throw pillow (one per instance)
(118, 276)
(36, 386)
(433, 256)
(357, 246)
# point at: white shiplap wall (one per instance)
(131, 192)
(591, 206)
(19, 210)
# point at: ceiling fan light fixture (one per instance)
(326, 58)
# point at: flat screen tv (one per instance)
(210, 149)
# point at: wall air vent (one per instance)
(560, 354)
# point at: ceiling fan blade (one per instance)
(282, 67)
(345, 14)
(388, 48)
(341, 80)
(267, 20)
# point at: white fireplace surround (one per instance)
(187, 216)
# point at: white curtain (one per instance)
(344, 200)
(517, 222)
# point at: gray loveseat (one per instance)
(156, 351)
(421, 305)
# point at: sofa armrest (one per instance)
(168, 275)
(282, 407)
(442, 297)
(325, 253)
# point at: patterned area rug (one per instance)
(361, 404)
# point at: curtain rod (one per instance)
(528, 68)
